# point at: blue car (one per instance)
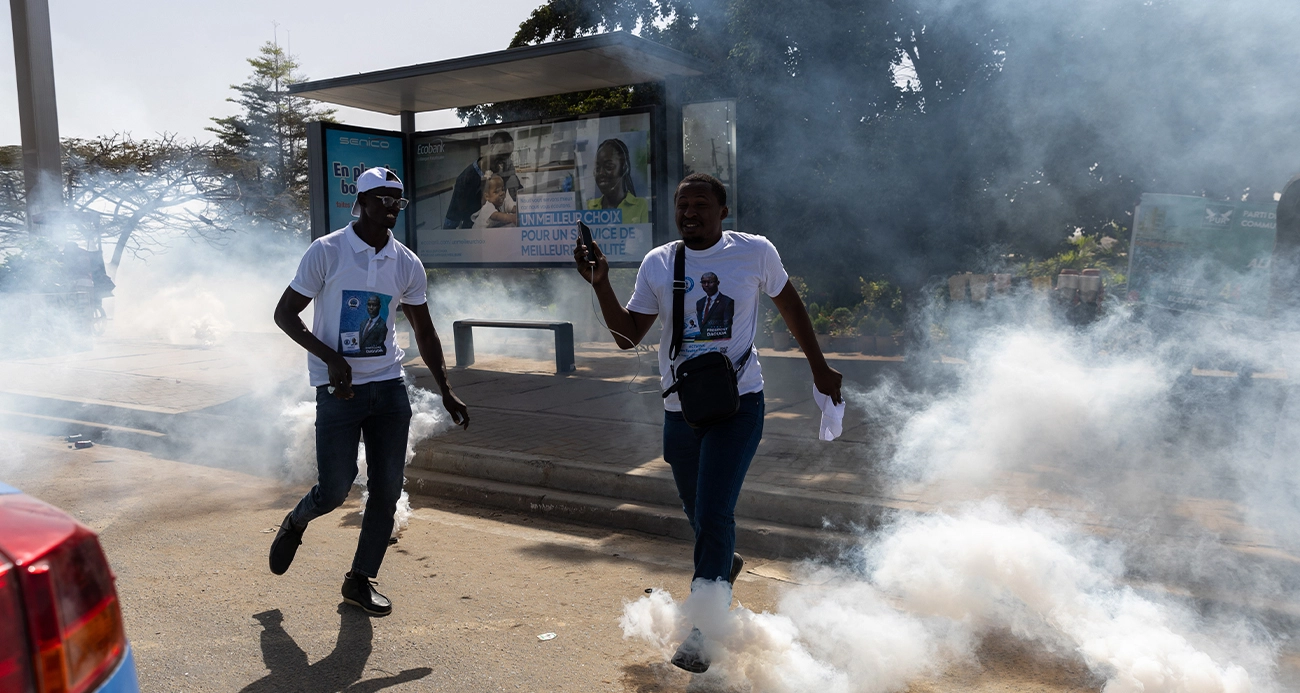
(60, 619)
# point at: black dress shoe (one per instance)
(285, 545)
(359, 590)
(736, 564)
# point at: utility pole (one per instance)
(38, 114)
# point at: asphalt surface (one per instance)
(472, 588)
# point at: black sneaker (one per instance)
(285, 545)
(690, 654)
(359, 590)
(737, 563)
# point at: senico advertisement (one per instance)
(514, 193)
(348, 152)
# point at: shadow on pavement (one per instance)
(340, 671)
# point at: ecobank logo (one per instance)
(373, 142)
(431, 148)
(1218, 217)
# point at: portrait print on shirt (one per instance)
(363, 323)
(715, 311)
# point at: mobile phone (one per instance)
(585, 232)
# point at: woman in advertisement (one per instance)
(613, 173)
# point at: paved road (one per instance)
(472, 589)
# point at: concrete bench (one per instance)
(463, 334)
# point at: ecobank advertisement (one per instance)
(513, 194)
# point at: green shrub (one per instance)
(821, 324)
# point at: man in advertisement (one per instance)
(467, 195)
(354, 275)
(709, 462)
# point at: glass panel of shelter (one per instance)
(709, 146)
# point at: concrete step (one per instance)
(763, 538)
(760, 502)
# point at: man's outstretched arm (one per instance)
(626, 327)
(288, 319)
(790, 304)
(426, 338)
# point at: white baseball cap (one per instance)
(372, 178)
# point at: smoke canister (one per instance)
(1090, 285)
(957, 284)
(979, 287)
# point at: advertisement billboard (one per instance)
(513, 194)
(1198, 254)
(347, 152)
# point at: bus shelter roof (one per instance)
(591, 62)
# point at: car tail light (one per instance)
(15, 657)
(74, 616)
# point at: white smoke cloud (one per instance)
(1111, 436)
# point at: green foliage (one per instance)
(822, 324)
(883, 328)
(1108, 253)
(842, 322)
(263, 149)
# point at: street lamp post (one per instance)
(38, 114)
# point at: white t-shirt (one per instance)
(354, 289)
(723, 285)
(482, 219)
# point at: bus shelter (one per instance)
(511, 194)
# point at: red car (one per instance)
(60, 620)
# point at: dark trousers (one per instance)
(381, 413)
(709, 465)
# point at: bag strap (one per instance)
(679, 301)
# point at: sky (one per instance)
(147, 66)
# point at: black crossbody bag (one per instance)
(705, 384)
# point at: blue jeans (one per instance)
(382, 413)
(709, 465)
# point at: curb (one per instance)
(758, 501)
(751, 535)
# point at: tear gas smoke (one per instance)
(215, 305)
(1131, 459)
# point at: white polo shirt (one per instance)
(354, 289)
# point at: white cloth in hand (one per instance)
(832, 416)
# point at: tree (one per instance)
(139, 194)
(263, 149)
(919, 137)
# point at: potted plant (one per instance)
(867, 330)
(780, 333)
(843, 333)
(822, 327)
(884, 333)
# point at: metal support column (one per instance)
(38, 113)
(407, 119)
(670, 172)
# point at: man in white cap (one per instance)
(355, 275)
